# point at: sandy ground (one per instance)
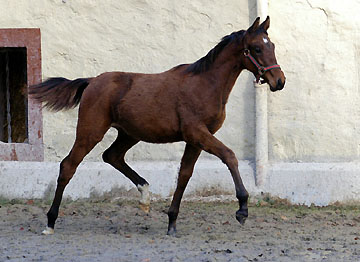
(105, 230)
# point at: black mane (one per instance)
(204, 63)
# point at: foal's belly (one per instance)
(148, 113)
(153, 128)
(150, 133)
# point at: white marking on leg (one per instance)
(48, 231)
(145, 194)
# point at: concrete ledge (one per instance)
(38, 179)
(300, 183)
(314, 183)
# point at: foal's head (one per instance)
(259, 56)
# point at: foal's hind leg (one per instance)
(188, 161)
(86, 139)
(115, 155)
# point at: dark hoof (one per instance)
(241, 216)
(172, 232)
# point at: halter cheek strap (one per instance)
(261, 69)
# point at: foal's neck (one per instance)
(224, 72)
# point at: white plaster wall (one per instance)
(85, 38)
(316, 118)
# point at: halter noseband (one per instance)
(261, 69)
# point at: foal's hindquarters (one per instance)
(95, 118)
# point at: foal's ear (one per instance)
(254, 26)
(266, 24)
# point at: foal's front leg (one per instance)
(188, 161)
(202, 138)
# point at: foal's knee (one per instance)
(229, 158)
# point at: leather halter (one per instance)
(261, 69)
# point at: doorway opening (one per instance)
(13, 95)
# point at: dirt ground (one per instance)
(117, 230)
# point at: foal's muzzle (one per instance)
(279, 85)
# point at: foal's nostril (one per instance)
(280, 84)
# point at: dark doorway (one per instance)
(21, 135)
(13, 95)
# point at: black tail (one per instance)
(59, 93)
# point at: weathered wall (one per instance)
(317, 117)
(85, 38)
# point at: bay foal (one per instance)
(185, 103)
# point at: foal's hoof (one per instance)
(48, 231)
(172, 232)
(145, 197)
(145, 208)
(241, 216)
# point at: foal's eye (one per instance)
(257, 50)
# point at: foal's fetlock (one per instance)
(171, 231)
(241, 215)
(145, 197)
(242, 198)
(172, 223)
